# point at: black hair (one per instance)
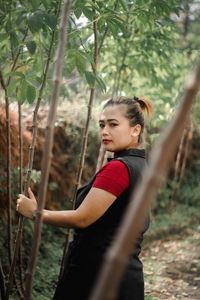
(135, 108)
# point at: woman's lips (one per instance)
(105, 142)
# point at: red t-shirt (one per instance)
(113, 178)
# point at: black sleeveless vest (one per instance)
(103, 230)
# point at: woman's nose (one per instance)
(104, 130)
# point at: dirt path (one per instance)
(172, 267)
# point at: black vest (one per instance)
(102, 232)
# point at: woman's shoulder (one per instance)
(115, 165)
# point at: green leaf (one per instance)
(8, 26)
(30, 93)
(50, 20)
(21, 95)
(35, 3)
(124, 4)
(3, 36)
(21, 91)
(81, 61)
(88, 12)
(90, 78)
(31, 46)
(77, 12)
(35, 22)
(119, 23)
(101, 83)
(14, 40)
(11, 89)
(18, 74)
(112, 28)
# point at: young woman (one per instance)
(101, 203)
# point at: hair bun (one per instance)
(145, 104)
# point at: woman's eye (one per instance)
(113, 124)
(101, 125)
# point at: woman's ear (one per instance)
(136, 130)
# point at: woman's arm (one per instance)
(92, 208)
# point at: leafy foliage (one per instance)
(144, 48)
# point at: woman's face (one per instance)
(115, 130)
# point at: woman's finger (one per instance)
(19, 200)
(31, 195)
(17, 206)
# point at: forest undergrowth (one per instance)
(171, 256)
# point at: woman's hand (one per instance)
(26, 206)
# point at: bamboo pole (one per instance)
(133, 221)
(46, 160)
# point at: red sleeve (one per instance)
(113, 178)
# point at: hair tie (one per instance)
(136, 99)
(139, 101)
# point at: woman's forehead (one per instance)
(113, 112)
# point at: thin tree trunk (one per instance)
(46, 160)
(19, 284)
(21, 269)
(30, 162)
(177, 168)
(2, 283)
(121, 67)
(181, 157)
(186, 18)
(179, 154)
(101, 157)
(16, 58)
(90, 103)
(8, 139)
(117, 79)
(187, 146)
(133, 221)
(8, 154)
(69, 235)
(179, 160)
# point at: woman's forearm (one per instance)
(63, 218)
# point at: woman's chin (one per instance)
(110, 149)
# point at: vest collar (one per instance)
(129, 152)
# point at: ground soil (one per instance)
(172, 267)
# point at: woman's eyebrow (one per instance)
(108, 120)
